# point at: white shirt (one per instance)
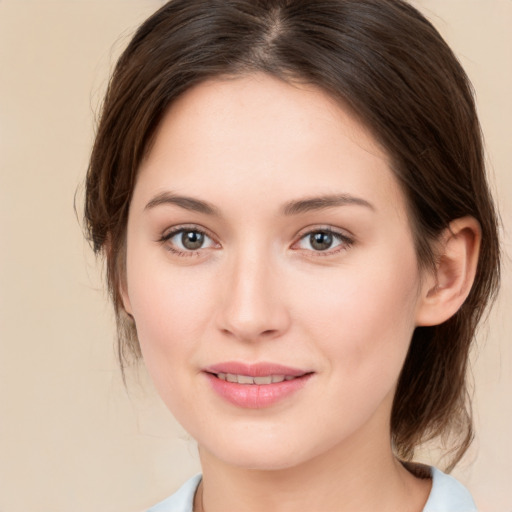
(447, 495)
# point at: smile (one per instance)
(259, 381)
(256, 386)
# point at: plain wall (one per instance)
(71, 437)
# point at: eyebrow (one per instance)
(188, 203)
(322, 202)
(295, 207)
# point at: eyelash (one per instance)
(345, 241)
(183, 229)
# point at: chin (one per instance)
(256, 452)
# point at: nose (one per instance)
(253, 306)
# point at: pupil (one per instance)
(321, 241)
(192, 239)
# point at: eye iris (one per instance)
(192, 239)
(321, 241)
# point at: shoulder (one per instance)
(182, 500)
(448, 495)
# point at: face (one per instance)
(271, 273)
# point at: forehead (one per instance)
(240, 137)
(259, 101)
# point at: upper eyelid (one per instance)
(171, 231)
(344, 233)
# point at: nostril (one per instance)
(246, 335)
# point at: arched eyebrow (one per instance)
(308, 204)
(294, 207)
(188, 203)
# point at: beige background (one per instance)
(71, 438)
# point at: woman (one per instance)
(300, 242)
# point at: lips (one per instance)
(259, 381)
(255, 370)
(255, 386)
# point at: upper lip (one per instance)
(255, 369)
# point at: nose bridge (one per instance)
(254, 307)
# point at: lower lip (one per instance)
(254, 396)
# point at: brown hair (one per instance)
(385, 61)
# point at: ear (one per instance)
(444, 291)
(120, 278)
(123, 293)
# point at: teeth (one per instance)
(246, 379)
(263, 380)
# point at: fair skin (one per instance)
(267, 227)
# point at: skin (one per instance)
(257, 290)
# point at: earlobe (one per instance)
(445, 290)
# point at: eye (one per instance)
(324, 240)
(187, 241)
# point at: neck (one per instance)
(355, 475)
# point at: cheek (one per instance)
(171, 309)
(171, 312)
(364, 316)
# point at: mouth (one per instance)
(258, 381)
(255, 386)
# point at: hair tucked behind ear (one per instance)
(387, 63)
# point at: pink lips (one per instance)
(255, 396)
